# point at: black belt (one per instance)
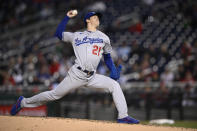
(90, 73)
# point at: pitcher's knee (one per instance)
(54, 95)
(114, 86)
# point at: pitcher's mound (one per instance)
(18, 123)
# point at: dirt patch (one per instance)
(18, 123)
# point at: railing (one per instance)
(127, 86)
(156, 84)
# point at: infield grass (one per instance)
(185, 124)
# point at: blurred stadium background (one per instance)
(154, 40)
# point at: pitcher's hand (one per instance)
(72, 13)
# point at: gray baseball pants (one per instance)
(76, 79)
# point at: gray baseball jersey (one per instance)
(88, 47)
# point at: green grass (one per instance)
(185, 124)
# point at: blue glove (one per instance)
(115, 73)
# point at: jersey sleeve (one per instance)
(67, 36)
(107, 48)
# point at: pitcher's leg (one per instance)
(100, 81)
(38, 99)
(62, 89)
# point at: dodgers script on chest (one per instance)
(86, 39)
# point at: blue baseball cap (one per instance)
(90, 14)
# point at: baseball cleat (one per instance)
(16, 107)
(128, 120)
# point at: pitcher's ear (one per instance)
(87, 20)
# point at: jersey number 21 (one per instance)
(96, 50)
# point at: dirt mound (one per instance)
(18, 123)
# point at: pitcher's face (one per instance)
(94, 21)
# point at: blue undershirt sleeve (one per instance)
(109, 62)
(114, 72)
(61, 27)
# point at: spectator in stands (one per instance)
(188, 78)
(145, 71)
(134, 69)
(154, 77)
(8, 80)
(45, 12)
(18, 70)
(194, 49)
(65, 64)
(164, 52)
(180, 73)
(152, 51)
(54, 65)
(187, 64)
(136, 28)
(167, 77)
(195, 70)
(123, 51)
(136, 49)
(186, 49)
(161, 96)
(189, 96)
(44, 74)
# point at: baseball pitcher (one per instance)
(89, 47)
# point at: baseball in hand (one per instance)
(74, 12)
